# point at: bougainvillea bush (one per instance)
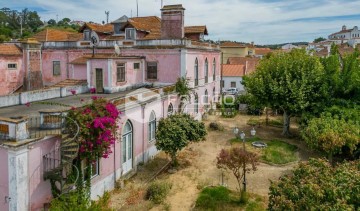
(97, 122)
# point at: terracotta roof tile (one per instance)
(229, 70)
(248, 62)
(340, 32)
(232, 45)
(70, 82)
(56, 35)
(149, 24)
(80, 60)
(10, 50)
(105, 29)
(195, 30)
(262, 51)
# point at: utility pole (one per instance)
(162, 4)
(107, 16)
(137, 8)
(21, 21)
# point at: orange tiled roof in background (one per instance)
(56, 35)
(232, 45)
(249, 63)
(10, 50)
(104, 29)
(149, 24)
(195, 30)
(233, 70)
(262, 51)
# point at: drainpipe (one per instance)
(143, 129)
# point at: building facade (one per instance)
(133, 58)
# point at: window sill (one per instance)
(152, 79)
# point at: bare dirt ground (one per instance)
(198, 168)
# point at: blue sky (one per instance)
(261, 21)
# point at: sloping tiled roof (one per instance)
(55, 35)
(262, 51)
(229, 70)
(149, 24)
(70, 82)
(195, 30)
(340, 32)
(248, 62)
(107, 28)
(232, 45)
(79, 60)
(10, 50)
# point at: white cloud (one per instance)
(262, 21)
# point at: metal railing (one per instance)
(49, 125)
(52, 160)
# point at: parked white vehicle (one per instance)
(231, 91)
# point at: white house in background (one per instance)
(232, 76)
(288, 47)
(350, 36)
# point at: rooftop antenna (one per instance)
(137, 8)
(107, 16)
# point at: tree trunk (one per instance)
(174, 160)
(286, 127)
(267, 115)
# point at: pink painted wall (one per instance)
(132, 76)
(168, 62)
(78, 72)
(4, 179)
(201, 56)
(39, 190)
(10, 79)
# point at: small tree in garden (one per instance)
(235, 159)
(183, 90)
(176, 132)
(316, 185)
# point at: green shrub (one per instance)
(157, 191)
(212, 198)
(73, 202)
(216, 126)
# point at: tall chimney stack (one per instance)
(172, 22)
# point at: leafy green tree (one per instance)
(176, 132)
(319, 39)
(316, 185)
(51, 22)
(330, 134)
(292, 82)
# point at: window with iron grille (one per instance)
(152, 70)
(12, 66)
(120, 72)
(56, 68)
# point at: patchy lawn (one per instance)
(279, 152)
(198, 170)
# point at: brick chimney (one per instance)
(172, 22)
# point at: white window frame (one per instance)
(138, 68)
(152, 127)
(87, 165)
(12, 68)
(133, 37)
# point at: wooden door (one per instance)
(99, 80)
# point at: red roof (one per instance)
(57, 35)
(262, 51)
(149, 24)
(236, 70)
(249, 62)
(195, 30)
(10, 50)
(105, 29)
(232, 45)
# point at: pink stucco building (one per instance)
(132, 53)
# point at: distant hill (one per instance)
(277, 46)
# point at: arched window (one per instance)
(196, 73)
(206, 99)
(126, 147)
(152, 126)
(214, 95)
(170, 109)
(196, 104)
(214, 69)
(206, 71)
